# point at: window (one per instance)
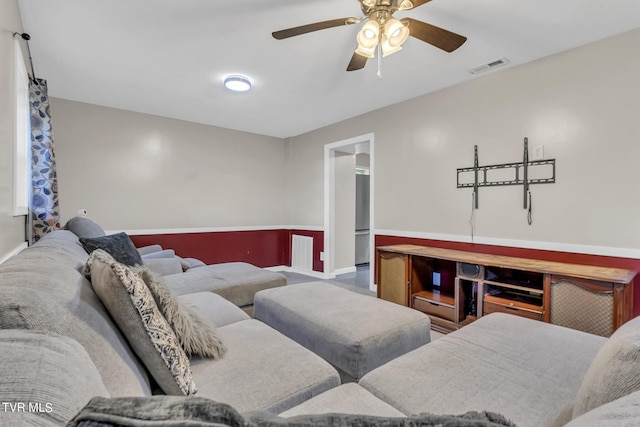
(22, 147)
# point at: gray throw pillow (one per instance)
(130, 303)
(196, 334)
(119, 246)
(84, 227)
(614, 372)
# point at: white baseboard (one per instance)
(277, 268)
(316, 274)
(13, 252)
(345, 270)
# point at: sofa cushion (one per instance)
(45, 378)
(84, 227)
(615, 371)
(119, 246)
(196, 334)
(262, 370)
(526, 370)
(164, 266)
(56, 297)
(132, 306)
(236, 281)
(215, 309)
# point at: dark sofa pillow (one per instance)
(119, 246)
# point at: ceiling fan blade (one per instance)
(357, 62)
(436, 36)
(303, 29)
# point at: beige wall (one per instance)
(582, 105)
(12, 230)
(345, 210)
(135, 171)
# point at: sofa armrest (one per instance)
(188, 263)
(164, 266)
(165, 253)
(145, 250)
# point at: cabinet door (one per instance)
(393, 273)
(581, 304)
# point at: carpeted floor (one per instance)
(357, 281)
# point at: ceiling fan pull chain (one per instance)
(379, 74)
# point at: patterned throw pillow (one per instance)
(133, 308)
(119, 246)
(197, 335)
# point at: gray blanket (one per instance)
(173, 411)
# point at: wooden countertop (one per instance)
(604, 274)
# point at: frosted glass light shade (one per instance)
(369, 52)
(387, 49)
(369, 35)
(395, 32)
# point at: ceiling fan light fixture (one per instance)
(387, 49)
(369, 3)
(366, 52)
(237, 83)
(396, 33)
(405, 5)
(369, 35)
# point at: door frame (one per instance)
(356, 144)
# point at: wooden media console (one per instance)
(455, 287)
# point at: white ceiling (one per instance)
(168, 57)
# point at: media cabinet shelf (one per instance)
(455, 287)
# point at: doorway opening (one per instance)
(346, 237)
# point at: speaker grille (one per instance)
(392, 274)
(578, 308)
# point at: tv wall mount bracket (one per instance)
(515, 173)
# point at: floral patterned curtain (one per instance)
(45, 214)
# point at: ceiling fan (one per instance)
(383, 31)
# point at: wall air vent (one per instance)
(489, 66)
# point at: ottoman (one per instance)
(355, 333)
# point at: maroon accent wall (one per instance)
(263, 248)
(569, 257)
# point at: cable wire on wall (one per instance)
(472, 218)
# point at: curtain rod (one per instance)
(26, 37)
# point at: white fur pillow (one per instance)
(196, 334)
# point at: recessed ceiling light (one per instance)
(237, 83)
